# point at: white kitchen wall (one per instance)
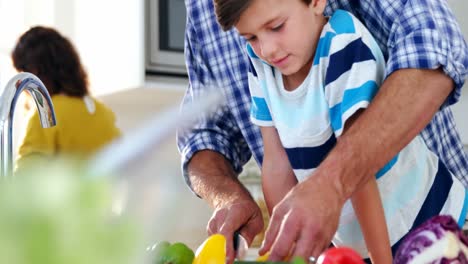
(460, 110)
(109, 35)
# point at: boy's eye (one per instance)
(277, 27)
(251, 38)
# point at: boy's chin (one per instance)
(291, 71)
(287, 71)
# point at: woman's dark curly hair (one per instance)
(52, 58)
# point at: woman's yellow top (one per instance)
(84, 125)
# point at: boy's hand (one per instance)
(243, 215)
(304, 222)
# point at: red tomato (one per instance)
(340, 255)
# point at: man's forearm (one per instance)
(213, 178)
(404, 105)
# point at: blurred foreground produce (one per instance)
(55, 214)
(177, 253)
(439, 240)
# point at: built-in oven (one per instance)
(165, 26)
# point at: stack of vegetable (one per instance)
(213, 251)
(437, 241)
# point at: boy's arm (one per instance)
(277, 175)
(367, 205)
(369, 211)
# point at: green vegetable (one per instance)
(160, 250)
(298, 260)
(177, 253)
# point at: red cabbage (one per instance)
(422, 238)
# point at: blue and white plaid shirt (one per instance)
(412, 34)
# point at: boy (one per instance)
(310, 79)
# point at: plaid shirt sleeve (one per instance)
(426, 35)
(218, 132)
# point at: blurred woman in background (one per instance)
(84, 124)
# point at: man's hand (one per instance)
(213, 178)
(242, 215)
(304, 222)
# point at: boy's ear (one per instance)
(318, 6)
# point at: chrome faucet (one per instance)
(8, 99)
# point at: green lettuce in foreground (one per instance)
(55, 214)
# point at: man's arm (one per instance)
(405, 104)
(309, 214)
(214, 151)
(213, 178)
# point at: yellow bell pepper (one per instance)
(211, 251)
(263, 258)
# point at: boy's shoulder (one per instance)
(344, 22)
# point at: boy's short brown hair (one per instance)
(228, 12)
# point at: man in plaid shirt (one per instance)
(427, 62)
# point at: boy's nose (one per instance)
(268, 49)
